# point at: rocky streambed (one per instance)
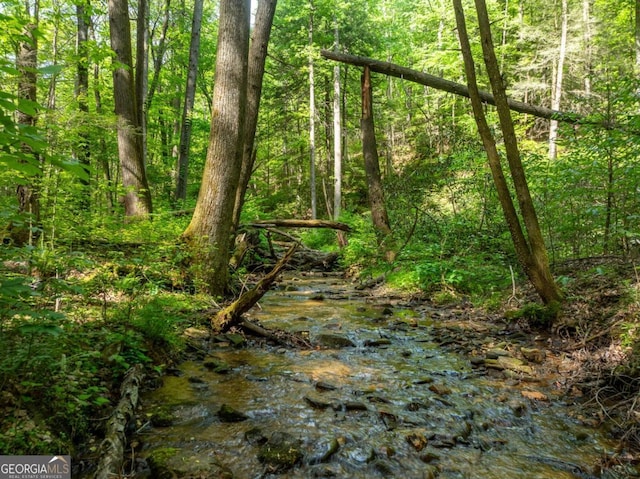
(387, 390)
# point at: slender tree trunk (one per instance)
(210, 230)
(372, 169)
(137, 197)
(532, 260)
(337, 133)
(312, 119)
(539, 273)
(556, 90)
(257, 58)
(82, 91)
(26, 64)
(158, 59)
(637, 35)
(142, 72)
(587, 36)
(189, 97)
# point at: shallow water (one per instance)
(477, 424)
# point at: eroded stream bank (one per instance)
(385, 394)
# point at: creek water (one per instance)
(392, 404)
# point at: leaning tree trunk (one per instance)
(187, 108)
(379, 214)
(137, 197)
(210, 230)
(538, 270)
(255, 74)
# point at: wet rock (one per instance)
(162, 416)
(281, 452)
(353, 406)
(443, 441)
(229, 414)
(496, 353)
(429, 457)
(440, 389)
(426, 380)
(505, 362)
(417, 440)
(389, 419)
(535, 395)
(323, 451)
(334, 341)
(235, 339)
(217, 366)
(324, 386)
(197, 333)
(383, 467)
(376, 343)
(255, 437)
(169, 463)
(533, 354)
(317, 403)
(317, 297)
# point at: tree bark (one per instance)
(189, 98)
(556, 89)
(438, 83)
(255, 74)
(26, 64)
(293, 223)
(337, 133)
(210, 230)
(232, 314)
(532, 255)
(81, 92)
(142, 72)
(379, 214)
(312, 119)
(137, 197)
(113, 447)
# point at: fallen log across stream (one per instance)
(232, 315)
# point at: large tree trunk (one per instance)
(372, 169)
(189, 97)
(137, 197)
(255, 73)
(26, 64)
(210, 230)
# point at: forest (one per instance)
(163, 163)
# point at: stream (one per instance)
(380, 398)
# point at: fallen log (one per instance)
(112, 447)
(232, 314)
(295, 223)
(438, 83)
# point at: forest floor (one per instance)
(60, 385)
